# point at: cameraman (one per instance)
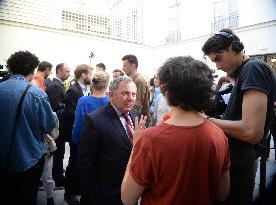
(248, 113)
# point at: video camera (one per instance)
(4, 74)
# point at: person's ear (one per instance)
(110, 94)
(133, 66)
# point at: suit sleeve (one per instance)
(78, 122)
(88, 154)
(55, 95)
(70, 101)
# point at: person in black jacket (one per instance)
(56, 91)
(83, 75)
(105, 145)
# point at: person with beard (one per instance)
(83, 75)
(43, 71)
(55, 90)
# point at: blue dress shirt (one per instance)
(157, 91)
(36, 117)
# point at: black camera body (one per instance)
(4, 75)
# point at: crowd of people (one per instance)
(175, 140)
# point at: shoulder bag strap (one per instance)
(19, 107)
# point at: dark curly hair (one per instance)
(187, 83)
(219, 42)
(22, 63)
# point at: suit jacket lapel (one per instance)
(80, 93)
(118, 124)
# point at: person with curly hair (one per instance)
(22, 145)
(184, 160)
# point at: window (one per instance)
(225, 14)
(174, 21)
(117, 19)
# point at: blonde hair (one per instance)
(100, 80)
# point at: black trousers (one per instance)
(72, 175)
(58, 157)
(21, 187)
(242, 183)
(268, 197)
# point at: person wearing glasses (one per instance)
(249, 110)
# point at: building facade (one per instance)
(70, 30)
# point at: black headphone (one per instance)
(237, 45)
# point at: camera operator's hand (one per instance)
(151, 89)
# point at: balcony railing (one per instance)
(220, 22)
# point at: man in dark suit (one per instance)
(55, 91)
(106, 144)
(83, 75)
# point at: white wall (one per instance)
(155, 22)
(57, 47)
(258, 39)
(256, 11)
(197, 18)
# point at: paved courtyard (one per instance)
(59, 193)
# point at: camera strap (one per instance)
(19, 107)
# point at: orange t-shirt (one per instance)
(40, 81)
(180, 165)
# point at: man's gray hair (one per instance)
(115, 83)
